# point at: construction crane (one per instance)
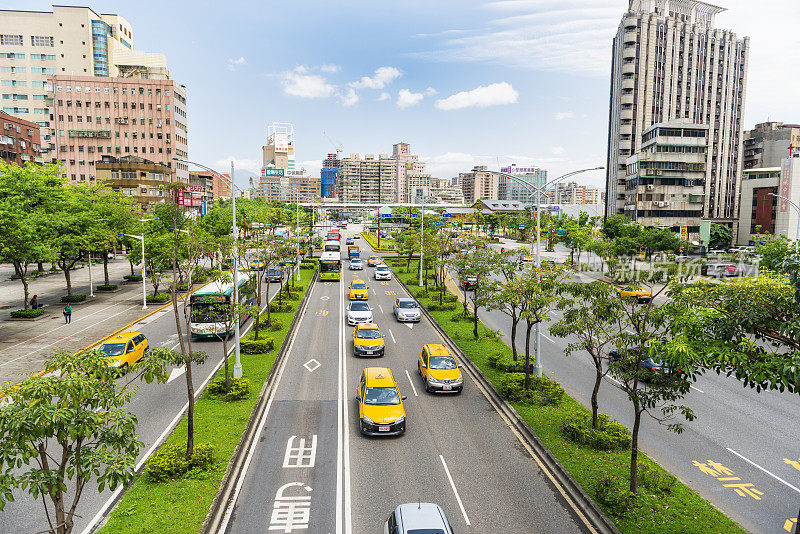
(332, 142)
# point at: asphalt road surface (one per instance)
(754, 438)
(457, 451)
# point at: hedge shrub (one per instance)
(608, 436)
(109, 287)
(256, 346)
(159, 298)
(276, 324)
(27, 314)
(447, 306)
(618, 500)
(240, 388)
(543, 390)
(307, 265)
(183, 287)
(73, 298)
(412, 282)
(170, 461)
(282, 308)
(133, 277)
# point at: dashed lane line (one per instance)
(455, 491)
(412, 383)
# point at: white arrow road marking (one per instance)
(409, 325)
(175, 373)
(312, 365)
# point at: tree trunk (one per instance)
(67, 277)
(105, 268)
(269, 317)
(598, 377)
(225, 358)
(21, 269)
(475, 313)
(40, 266)
(258, 305)
(637, 419)
(190, 411)
(514, 321)
(528, 326)
(131, 264)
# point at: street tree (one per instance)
(503, 294)
(592, 317)
(112, 213)
(480, 263)
(70, 428)
(28, 198)
(68, 229)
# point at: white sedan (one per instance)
(382, 272)
(358, 312)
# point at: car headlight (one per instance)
(458, 380)
(116, 363)
(377, 347)
(367, 420)
(431, 379)
(400, 419)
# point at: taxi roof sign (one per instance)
(379, 375)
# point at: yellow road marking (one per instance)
(390, 292)
(321, 313)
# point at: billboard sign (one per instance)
(786, 184)
(684, 233)
(271, 171)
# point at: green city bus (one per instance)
(330, 266)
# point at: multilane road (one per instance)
(742, 453)
(311, 471)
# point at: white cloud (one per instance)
(234, 63)
(330, 68)
(298, 82)
(350, 98)
(311, 166)
(406, 98)
(383, 76)
(243, 166)
(557, 150)
(482, 96)
(430, 91)
(450, 164)
(561, 115)
(384, 96)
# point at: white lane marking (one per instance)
(312, 365)
(381, 307)
(339, 422)
(455, 491)
(547, 338)
(696, 389)
(324, 297)
(300, 455)
(776, 477)
(344, 516)
(412, 383)
(390, 333)
(175, 373)
(223, 527)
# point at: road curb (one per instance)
(591, 512)
(224, 496)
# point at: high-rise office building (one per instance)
(372, 179)
(278, 161)
(669, 62)
(68, 41)
(510, 189)
(405, 163)
(769, 143)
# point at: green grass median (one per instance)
(677, 509)
(181, 506)
(387, 245)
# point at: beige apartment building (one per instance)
(372, 179)
(670, 62)
(769, 143)
(480, 183)
(575, 193)
(99, 116)
(68, 41)
(408, 169)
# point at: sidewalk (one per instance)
(24, 345)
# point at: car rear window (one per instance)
(359, 306)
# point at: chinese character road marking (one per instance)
(291, 513)
(312, 365)
(793, 463)
(384, 283)
(300, 455)
(789, 524)
(321, 313)
(390, 292)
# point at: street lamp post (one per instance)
(797, 207)
(538, 190)
(237, 366)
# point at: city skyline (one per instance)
(539, 69)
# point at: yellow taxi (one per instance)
(630, 292)
(439, 369)
(257, 265)
(125, 349)
(380, 405)
(374, 260)
(359, 290)
(368, 340)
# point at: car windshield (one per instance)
(381, 268)
(359, 306)
(442, 362)
(274, 272)
(382, 396)
(355, 262)
(368, 333)
(408, 304)
(358, 286)
(113, 349)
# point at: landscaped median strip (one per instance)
(374, 244)
(579, 469)
(181, 505)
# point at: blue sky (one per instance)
(533, 75)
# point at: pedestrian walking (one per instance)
(67, 314)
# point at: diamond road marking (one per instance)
(324, 297)
(312, 365)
